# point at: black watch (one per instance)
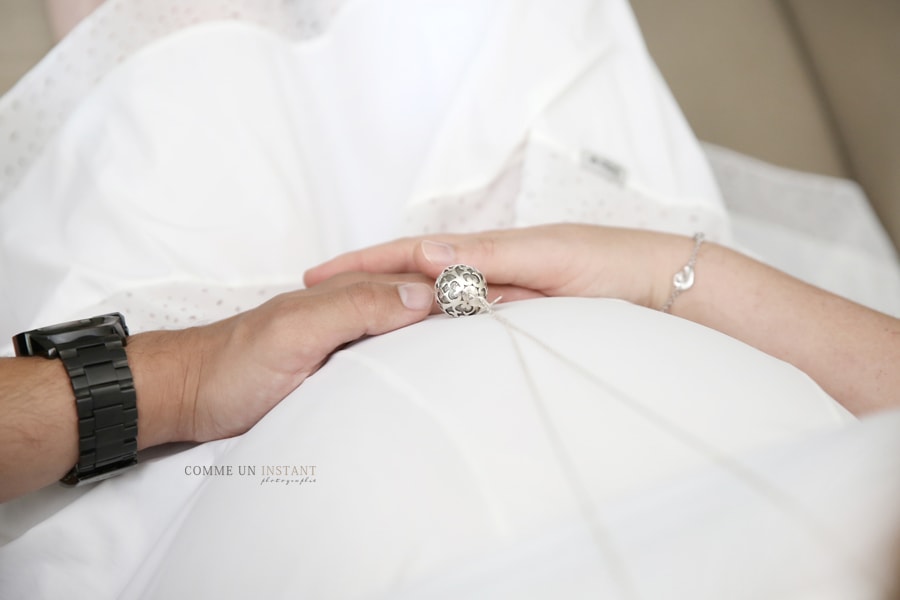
(93, 352)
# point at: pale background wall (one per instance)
(24, 38)
(807, 84)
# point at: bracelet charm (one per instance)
(684, 279)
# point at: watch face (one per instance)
(45, 340)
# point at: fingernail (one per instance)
(416, 296)
(438, 253)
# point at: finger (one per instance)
(537, 259)
(430, 255)
(391, 257)
(508, 293)
(256, 358)
(344, 279)
(364, 308)
(551, 259)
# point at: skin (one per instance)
(852, 352)
(203, 383)
(217, 381)
(64, 15)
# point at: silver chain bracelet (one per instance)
(684, 279)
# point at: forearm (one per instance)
(202, 383)
(38, 434)
(851, 351)
(39, 429)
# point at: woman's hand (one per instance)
(552, 260)
(850, 350)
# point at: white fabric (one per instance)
(208, 169)
(429, 450)
(294, 151)
(707, 536)
(817, 228)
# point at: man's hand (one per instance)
(202, 383)
(248, 363)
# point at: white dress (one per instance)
(403, 117)
(214, 163)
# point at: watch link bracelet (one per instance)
(93, 352)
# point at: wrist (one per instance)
(667, 255)
(164, 381)
(688, 284)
